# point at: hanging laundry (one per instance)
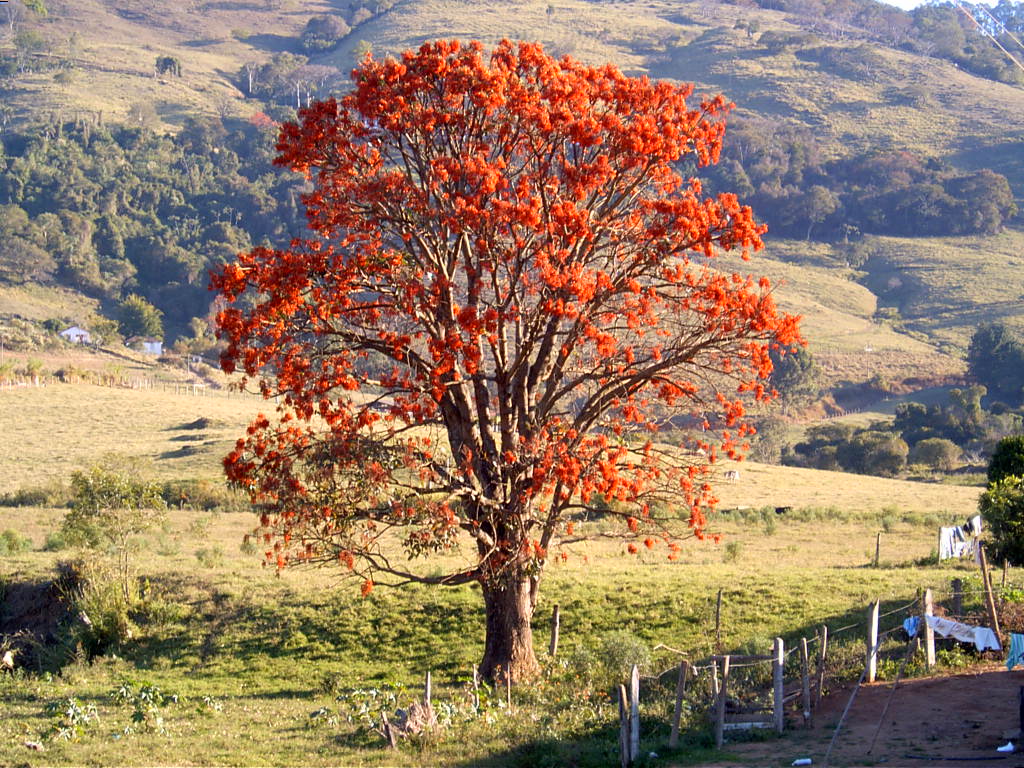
(910, 625)
(945, 543)
(960, 540)
(1016, 655)
(984, 639)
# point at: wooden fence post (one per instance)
(805, 675)
(958, 598)
(623, 728)
(718, 623)
(634, 714)
(389, 732)
(508, 692)
(872, 659)
(720, 705)
(878, 547)
(713, 681)
(778, 662)
(929, 633)
(990, 602)
(427, 689)
(677, 714)
(555, 623)
(476, 687)
(822, 649)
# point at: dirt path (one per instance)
(958, 718)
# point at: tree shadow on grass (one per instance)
(272, 43)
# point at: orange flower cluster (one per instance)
(501, 260)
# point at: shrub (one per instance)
(937, 453)
(210, 557)
(12, 542)
(52, 494)
(732, 551)
(619, 651)
(1002, 506)
(1007, 459)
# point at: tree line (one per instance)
(782, 171)
(119, 211)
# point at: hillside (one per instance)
(847, 91)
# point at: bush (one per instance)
(12, 542)
(55, 542)
(1002, 507)
(1007, 459)
(936, 453)
(732, 551)
(210, 557)
(52, 494)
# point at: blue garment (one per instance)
(911, 625)
(1016, 654)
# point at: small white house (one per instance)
(149, 345)
(76, 335)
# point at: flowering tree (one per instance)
(498, 310)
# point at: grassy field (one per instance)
(258, 659)
(946, 287)
(267, 651)
(57, 429)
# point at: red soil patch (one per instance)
(964, 716)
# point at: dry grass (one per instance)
(948, 286)
(57, 429)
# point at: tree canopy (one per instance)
(510, 288)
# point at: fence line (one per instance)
(717, 669)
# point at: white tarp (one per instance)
(984, 639)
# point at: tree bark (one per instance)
(508, 648)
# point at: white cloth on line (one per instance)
(984, 639)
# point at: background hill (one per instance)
(864, 136)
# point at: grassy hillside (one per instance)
(854, 96)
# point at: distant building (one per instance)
(77, 335)
(149, 345)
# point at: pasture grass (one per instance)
(53, 430)
(269, 650)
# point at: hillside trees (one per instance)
(137, 317)
(996, 359)
(123, 210)
(507, 240)
(881, 192)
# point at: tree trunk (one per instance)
(509, 643)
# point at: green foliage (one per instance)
(12, 542)
(796, 375)
(936, 453)
(791, 182)
(732, 551)
(1002, 508)
(323, 33)
(210, 557)
(52, 494)
(1007, 459)
(137, 317)
(69, 719)
(996, 359)
(112, 504)
(147, 702)
(961, 420)
(870, 451)
(115, 210)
